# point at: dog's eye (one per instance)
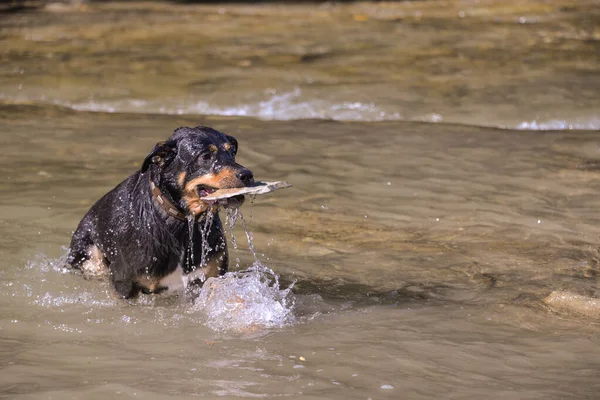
(206, 156)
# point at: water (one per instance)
(243, 300)
(433, 254)
(517, 64)
(249, 300)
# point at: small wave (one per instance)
(278, 106)
(291, 106)
(559, 125)
(296, 104)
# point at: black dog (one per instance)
(142, 231)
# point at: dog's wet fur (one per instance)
(141, 245)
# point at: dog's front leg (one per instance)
(123, 281)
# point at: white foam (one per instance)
(292, 105)
(297, 104)
(289, 106)
(283, 106)
(559, 125)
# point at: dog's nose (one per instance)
(245, 175)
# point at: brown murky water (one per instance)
(431, 260)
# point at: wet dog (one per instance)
(145, 231)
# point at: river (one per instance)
(441, 237)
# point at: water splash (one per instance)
(204, 232)
(251, 300)
(46, 264)
(249, 237)
(204, 227)
(190, 259)
(246, 301)
(45, 287)
(231, 217)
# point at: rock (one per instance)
(571, 303)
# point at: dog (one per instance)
(144, 232)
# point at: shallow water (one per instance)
(422, 255)
(429, 260)
(523, 63)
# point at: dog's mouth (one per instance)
(204, 190)
(231, 202)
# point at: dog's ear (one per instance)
(162, 154)
(234, 144)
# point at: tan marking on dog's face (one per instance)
(213, 148)
(227, 146)
(181, 178)
(224, 179)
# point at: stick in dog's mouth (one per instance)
(204, 190)
(256, 188)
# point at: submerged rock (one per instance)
(570, 303)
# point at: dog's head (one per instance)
(195, 162)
